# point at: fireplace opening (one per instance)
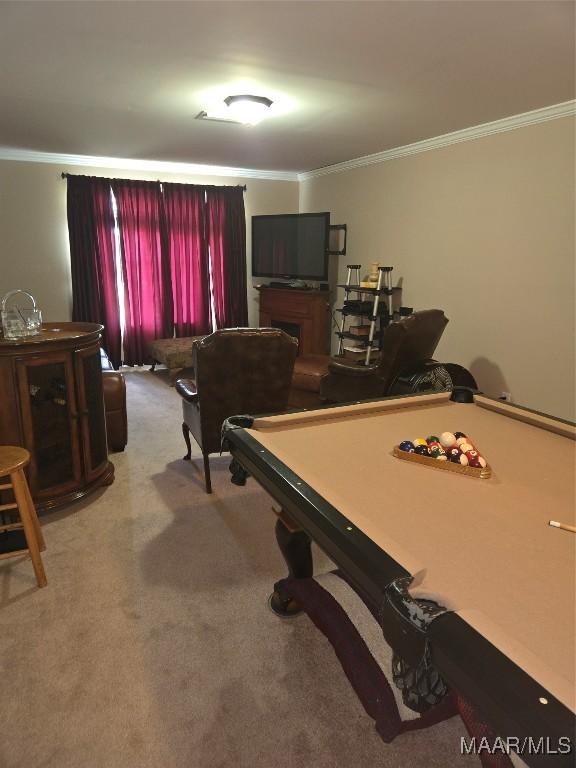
(292, 329)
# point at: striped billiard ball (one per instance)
(437, 452)
(475, 460)
(456, 456)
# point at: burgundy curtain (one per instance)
(178, 243)
(146, 268)
(227, 240)
(185, 219)
(92, 257)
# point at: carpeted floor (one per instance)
(153, 647)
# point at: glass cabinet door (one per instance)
(49, 419)
(91, 410)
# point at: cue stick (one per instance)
(564, 526)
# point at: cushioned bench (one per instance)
(176, 354)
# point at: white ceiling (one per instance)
(125, 79)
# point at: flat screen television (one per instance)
(291, 245)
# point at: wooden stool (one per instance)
(12, 462)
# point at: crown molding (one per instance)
(154, 166)
(553, 112)
(566, 109)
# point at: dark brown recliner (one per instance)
(236, 370)
(406, 344)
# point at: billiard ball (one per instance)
(437, 452)
(421, 450)
(419, 441)
(407, 445)
(432, 439)
(465, 447)
(447, 439)
(474, 459)
(458, 435)
(457, 457)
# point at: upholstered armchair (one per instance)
(406, 344)
(235, 370)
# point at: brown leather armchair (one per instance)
(235, 370)
(406, 344)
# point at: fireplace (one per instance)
(304, 314)
(292, 329)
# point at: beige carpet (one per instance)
(153, 647)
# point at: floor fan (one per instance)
(432, 377)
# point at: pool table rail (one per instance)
(516, 705)
(367, 566)
(378, 577)
(507, 695)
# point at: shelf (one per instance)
(372, 291)
(365, 303)
(359, 360)
(362, 340)
(352, 313)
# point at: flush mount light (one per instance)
(242, 106)
(247, 109)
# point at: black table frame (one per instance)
(503, 692)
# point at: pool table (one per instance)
(465, 573)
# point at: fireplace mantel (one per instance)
(303, 313)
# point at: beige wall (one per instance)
(34, 250)
(485, 231)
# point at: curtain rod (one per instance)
(83, 175)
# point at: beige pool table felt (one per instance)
(482, 548)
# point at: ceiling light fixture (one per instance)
(247, 109)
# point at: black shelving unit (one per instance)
(370, 309)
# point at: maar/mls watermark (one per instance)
(522, 746)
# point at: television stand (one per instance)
(293, 285)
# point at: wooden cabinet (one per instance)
(51, 402)
(304, 314)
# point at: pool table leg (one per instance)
(296, 549)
